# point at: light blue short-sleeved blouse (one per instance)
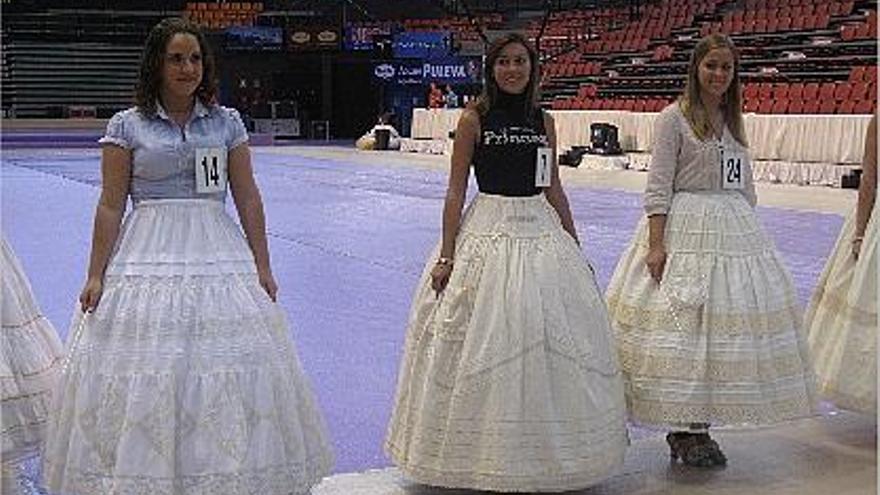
(163, 153)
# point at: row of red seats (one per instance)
(805, 106)
(768, 106)
(839, 91)
(860, 31)
(569, 70)
(220, 19)
(772, 25)
(617, 46)
(753, 4)
(233, 6)
(863, 73)
(626, 104)
(833, 9)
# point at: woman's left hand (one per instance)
(267, 282)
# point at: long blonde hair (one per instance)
(691, 101)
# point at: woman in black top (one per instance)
(508, 382)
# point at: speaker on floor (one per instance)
(604, 140)
(851, 180)
(573, 157)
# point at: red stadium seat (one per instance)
(765, 90)
(760, 26)
(750, 91)
(796, 91)
(766, 106)
(826, 90)
(780, 91)
(842, 91)
(847, 106)
(784, 24)
(811, 91)
(859, 91)
(828, 106)
(811, 106)
(780, 106)
(751, 106)
(796, 106)
(865, 106)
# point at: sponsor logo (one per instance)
(300, 37)
(384, 71)
(327, 36)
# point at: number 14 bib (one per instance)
(211, 174)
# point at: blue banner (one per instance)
(452, 70)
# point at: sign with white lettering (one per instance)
(455, 71)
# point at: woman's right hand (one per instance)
(440, 276)
(91, 294)
(656, 260)
(856, 247)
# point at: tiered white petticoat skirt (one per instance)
(30, 361)
(184, 381)
(720, 340)
(509, 381)
(842, 322)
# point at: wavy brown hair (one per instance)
(691, 101)
(490, 92)
(153, 57)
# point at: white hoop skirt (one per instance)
(508, 381)
(842, 322)
(720, 340)
(184, 381)
(30, 361)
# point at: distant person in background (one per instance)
(383, 125)
(435, 96)
(451, 97)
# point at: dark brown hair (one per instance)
(691, 102)
(153, 58)
(490, 92)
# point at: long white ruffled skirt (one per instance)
(842, 322)
(184, 381)
(508, 381)
(30, 360)
(720, 340)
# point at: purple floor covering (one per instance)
(348, 242)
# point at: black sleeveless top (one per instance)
(505, 155)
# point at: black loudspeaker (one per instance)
(603, 139)
(573, 157)
(851, 180)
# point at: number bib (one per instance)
(210, 170)
(733, 167)
(543, 166)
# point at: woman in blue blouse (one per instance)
(181, 377)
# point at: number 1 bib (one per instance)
(543, 166)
